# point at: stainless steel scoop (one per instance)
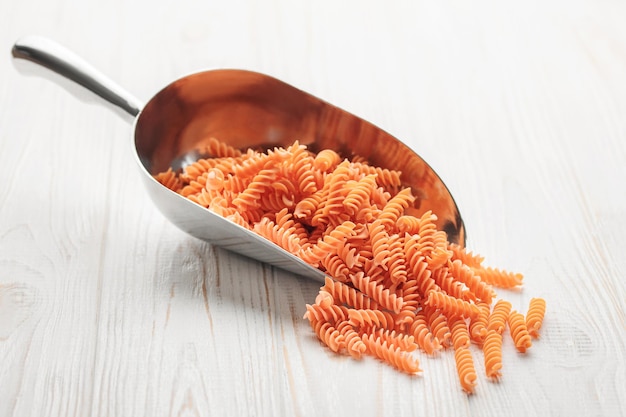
(245, 109)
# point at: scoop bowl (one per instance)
(245, 109)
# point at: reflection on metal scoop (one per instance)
(246, 110)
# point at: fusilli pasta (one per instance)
(394, 284)
(534, 316)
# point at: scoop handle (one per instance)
(66, 63)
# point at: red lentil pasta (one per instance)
(395, 286)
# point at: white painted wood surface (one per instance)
(106, 309)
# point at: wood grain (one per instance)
(106, 309)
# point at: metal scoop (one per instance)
(246, 110)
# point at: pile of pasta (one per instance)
(394, 284)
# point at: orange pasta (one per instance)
(377, 292)
(391, 354)
(404, 341)
(497, 319)
(519, 331)
(394, 283)
(451, 305)
(328, 334)
(498, 278)
(423, 336)
(345, 294)
(476, 285)
(478, 326)
(468, 258)
(492, 350)
(534, 316)
(438, 323)
(465, 369)
(353, 342)
(169, 179)
(370, 318)
(459, 331)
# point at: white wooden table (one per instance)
(106, 309)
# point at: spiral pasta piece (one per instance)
(468, 258)
(465, 368)
(252, 215)
(519, 331)
(195, 169)
(216, 148)
(352, 340)
(380, 242)
(336, 267)
(285, 220)
(406, 342)
(253, 192)
(439, 256)
(329, 243)
(308, 206)
(408, 224)
(332, 313)
(405, 317)
(359, 195)
(234, 185)
(282, 237)
(215, 180)
(202, 166)
(459, 331)
(427, 239)
(534, 316)
(336, 194)
(282, 195)
(492, 351)
(478, 326)
(379, 198)
(342, 293)
(391, 354)
(377, 292)
(169, 179)
(194, 187)
(324, 299)
(451, 305)
(410, 294)
(384, 177)
(476, 285)
(397, 261)
(348, 252)
(500, 313)
(299, 167)
(395, 207)
(329, 335)
(369, 318)
(418, 267)
(438, 324)
(423, 336)
(214, 202)
(500, 278)
(450, 285)
(250, 166)
(372, 269)
(326, 160)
